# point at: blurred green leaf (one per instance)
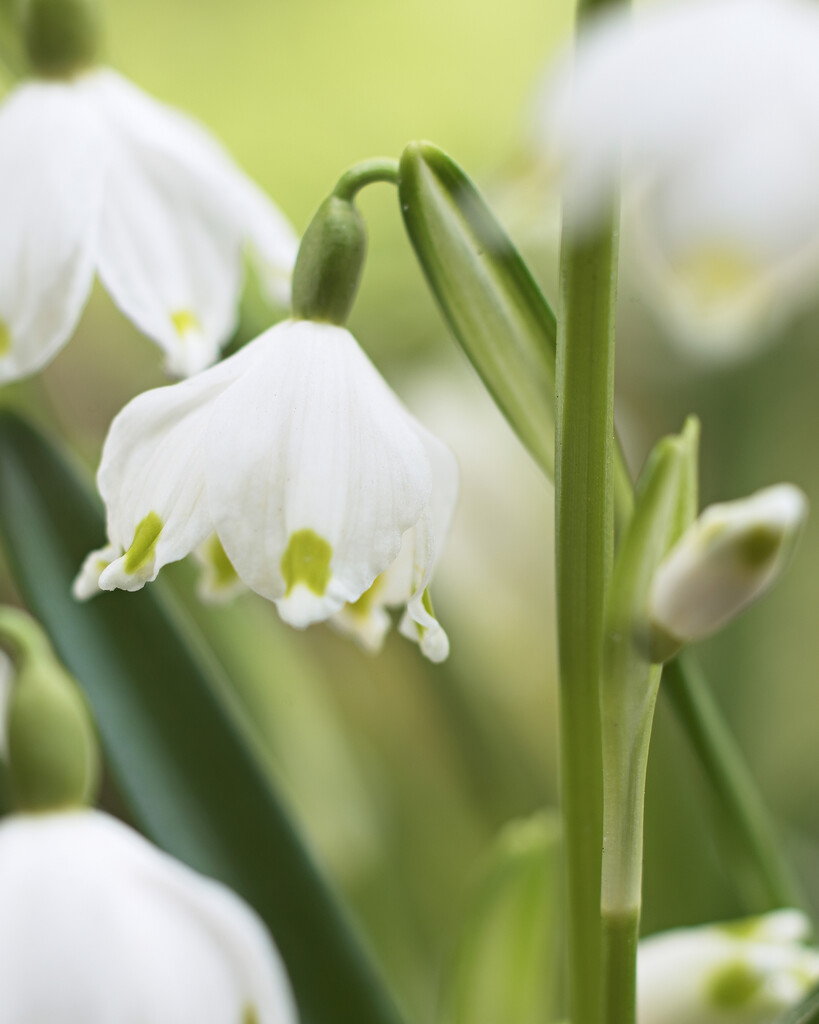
(806, 1012)
(485, 291)
(174, 743)
(505, 966)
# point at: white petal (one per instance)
(152, 480)
(99, 926)
(313, 443)
(52, 160)
(178, 215)
(218, 582)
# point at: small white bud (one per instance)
(726, 559)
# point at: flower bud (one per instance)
(61, 36)
(726, 559)
(52, 753)
(330, 261)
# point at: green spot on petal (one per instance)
(185, 321)
(224, 575)
(250, 1016)
(734, 985)
(5, 339)
(715, 273)
(307, 561)
(143, 547)
(760, 545)
(364, 605)
(426, 601)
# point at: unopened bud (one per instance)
(52, 753)
(726, 559)
(61, 36)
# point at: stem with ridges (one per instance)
(585, 540)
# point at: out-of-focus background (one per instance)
(401, 772)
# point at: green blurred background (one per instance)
(401, 772)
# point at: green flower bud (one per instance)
(330, 261)
(61, 36)
(52, 753)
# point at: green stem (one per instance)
(366, 173)
(766, 879)
(585, 540)
(620, 934)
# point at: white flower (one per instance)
(97, 177)
(323, 493)
(744, 972)
(710, 110)
(726, 559)
(99, 926)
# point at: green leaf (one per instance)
(175, 746)
(485, 291)
(805, 1012)
(505, 966)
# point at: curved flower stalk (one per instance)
(292, 466)
(96, 177)
(709, 110)
(5, 693)
(99, 926)
(743, 972)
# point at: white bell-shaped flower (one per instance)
(98, 178)
(743, 972)
(726, 559)
(97, 926)
(707, 112)
(293, 466)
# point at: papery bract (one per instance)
(97, 177)
(292, 466)
(96, 926)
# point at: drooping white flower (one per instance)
(292, 466)
(708, 112)
(99, 926)
(743, 972)
(98, 178)
(726, 559)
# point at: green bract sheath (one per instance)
(485, 291)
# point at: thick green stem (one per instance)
(763, 873)
(585, 539)
(620, 934)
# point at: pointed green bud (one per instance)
(505, 966)
(730, 556)
(52, 752)
(329, 264)
(485, 292)
(61, 36)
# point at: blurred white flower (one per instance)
(97, 177)
(98, 926)
(744, 972)
(293, 466)
(725, 560)
(709, 111)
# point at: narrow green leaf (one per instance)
(806, 1012)
(176, 750)
(505, 967)
(485, 291)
